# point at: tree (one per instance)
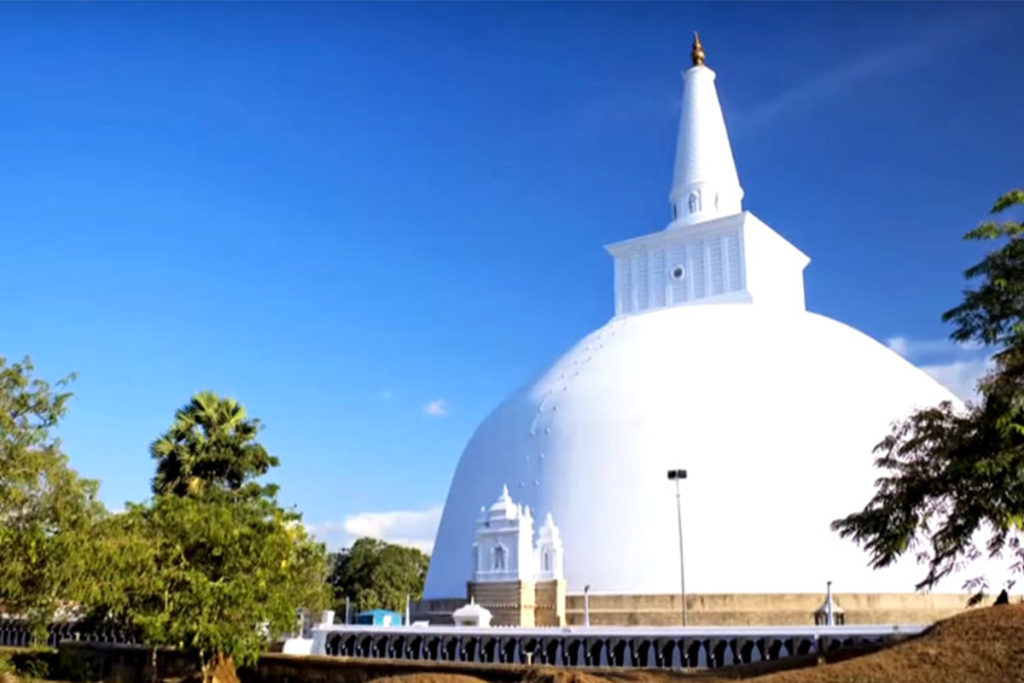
(212, 565)
(214, 576)
(378, 575)
(956, 475)
(46, 509)
(211, 442)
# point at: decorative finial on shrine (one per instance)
(697, 54)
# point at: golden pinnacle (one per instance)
(697, 54)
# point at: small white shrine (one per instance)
(505, 550)
(520, 577)
(472, 616)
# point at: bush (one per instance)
(33, 667)
(78, 671)
(7, 667)
(26, 664)
(8, 672)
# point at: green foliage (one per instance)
(28, 663)
(34, 667)
(211, 442)
(216, 574)
(212, 565)
(6, 665)
(1011, 198)
(76, 670)
(991, 313)
(953, 473)
(46, 510)
(378, 575)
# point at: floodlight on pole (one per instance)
(677, 476)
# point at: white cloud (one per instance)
(413, 528)
(961, 377)
(900, 345)
(876, 60)
(912, 349)
(958, 367)
(436, 408)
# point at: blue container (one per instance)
(379, 617)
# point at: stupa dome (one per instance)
(774, 413)
(712, 364)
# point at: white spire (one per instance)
(713, 251)
(548, 552)
(705, 185)
(504, 507)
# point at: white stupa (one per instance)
(713, 364)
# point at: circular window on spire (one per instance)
(678, 273)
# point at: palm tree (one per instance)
(212, 443)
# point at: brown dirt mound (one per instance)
(562, 675)
(429, 678)
(985, 645)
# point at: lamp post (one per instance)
(677, 476)
(586, 605)
(830, 617)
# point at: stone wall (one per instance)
(550, 609)
(729, 609)
(113, 663)
(435, 611)
(511, 603)
(762, 609)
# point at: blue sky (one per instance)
(370, 223)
